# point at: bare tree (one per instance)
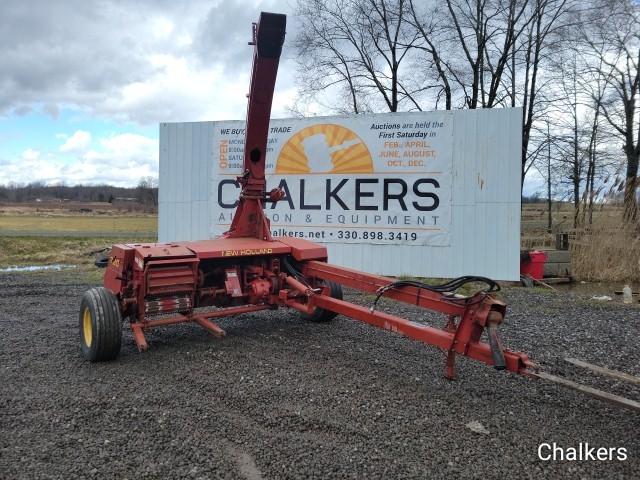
(469, 45)
(15, 192)
(429, 27)
(594, 87)
(480, 54)
(486, 31)
(581, 164)
(569, 120)
(543, 37)
(359, 46)
(147, 191)
(614, 39)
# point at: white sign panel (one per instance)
(474, 155)
(348, 179)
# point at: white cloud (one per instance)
(178, 91)
(77, 142)
(146, 62)
(119, 160)
(30, 154)
(162, 27)
(121, 153)
(116, 60)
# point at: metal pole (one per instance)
(549, 219)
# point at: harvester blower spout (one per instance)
(249, 219)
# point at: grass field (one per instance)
(63, 234)
(534, 222)
(65, 224)
(38, 250)
(36, 236)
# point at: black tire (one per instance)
(321, 315)
(100, 324)
(102, 261)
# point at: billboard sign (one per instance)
(370, 179)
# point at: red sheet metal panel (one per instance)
(119, 258)
(235, 247)
(304, 249)
(160, 250)
(170, 279)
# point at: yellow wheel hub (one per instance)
(87, 328)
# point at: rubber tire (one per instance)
(321, 315)
(106, 325)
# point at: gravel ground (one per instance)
(281, 398)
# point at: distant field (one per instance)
(76, 251)
(61, 234)
(534, 216)
(534, 222)
(92, 225)
(44, 235)
(107, 220)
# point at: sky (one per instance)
(85, 84)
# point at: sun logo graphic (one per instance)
(324, 148)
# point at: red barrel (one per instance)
(533, 264)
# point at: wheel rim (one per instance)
(87, 328)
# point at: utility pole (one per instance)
(549, 220)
